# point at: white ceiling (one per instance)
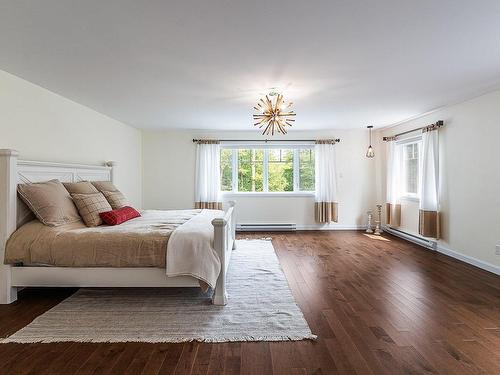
(203, 64)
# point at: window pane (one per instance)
(411, 167)
(306, 170)
(250, 170)
(226, 169)
(280, 170)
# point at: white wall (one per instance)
(44, 126)
(470, 177)
(168, 178)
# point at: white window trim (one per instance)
(296, 174)
(412, 197)
(234, 181)
(266, 193)
(230, 194)
(265, 174)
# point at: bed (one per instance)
(88, 263)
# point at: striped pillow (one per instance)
(116, 199)
(90, 206)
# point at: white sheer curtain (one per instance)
(326, 206)
(429, 184)
(207, 179)
(394, 175)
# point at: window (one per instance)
(267, 170)
(226, 170)
(306, 170)
(280, 172)
(410, 168)
(251, 170)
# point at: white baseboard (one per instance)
(326, 227)
(452, 253)
(468, 259)
(329, 227)
(411, 237)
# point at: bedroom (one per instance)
(161, 98)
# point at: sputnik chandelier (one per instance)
(274, 115)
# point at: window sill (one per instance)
(268, 194)
(410, 198)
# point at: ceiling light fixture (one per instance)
(274, 114)
(370, 153)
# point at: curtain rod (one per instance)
(436, 125)
(336, 140)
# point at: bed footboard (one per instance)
(224, 243)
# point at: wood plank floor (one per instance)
(378, 305)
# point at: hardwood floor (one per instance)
(378, 305)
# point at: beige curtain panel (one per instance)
(428, 224)
(325, 206)
(207, 185)
(326, 212)
(393, 206)
(393, 213)
(209, 205)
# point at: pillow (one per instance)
(119, 216)
(114, 196)
(24, 214)
(90, 206)
(116, 199)
(50, 202)
(82, 187)
(104, 186)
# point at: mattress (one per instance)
(140, 242)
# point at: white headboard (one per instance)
(14, 171)
(38, 171)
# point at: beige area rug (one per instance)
(260, 308)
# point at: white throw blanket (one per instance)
(190, 249)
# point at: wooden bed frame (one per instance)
(14, 171)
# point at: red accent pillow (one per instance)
(118, 216)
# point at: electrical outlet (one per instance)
(497, 250)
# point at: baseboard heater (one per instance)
(429, 244)
(266, 227)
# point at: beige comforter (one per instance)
(140, 242)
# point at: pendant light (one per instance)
(274, 115)
(370, 153)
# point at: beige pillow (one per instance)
(104, 186)
(89, 206)
(114, 196)
(24, 213)
(49, 201)
(82, 187)
(116, 199)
